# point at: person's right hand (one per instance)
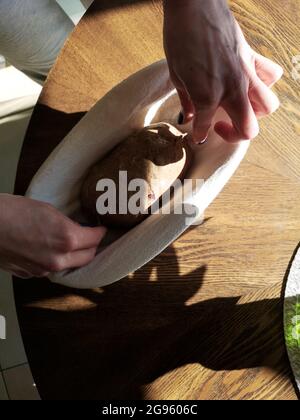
(36, 239)
(212, 65)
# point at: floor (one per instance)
(18, 95)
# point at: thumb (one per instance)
(88, 238)
(263, 100)
(244, 124)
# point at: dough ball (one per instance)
(156, 154)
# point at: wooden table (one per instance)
(204, 319)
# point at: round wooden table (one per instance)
(204, 319)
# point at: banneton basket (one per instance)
(146, 97)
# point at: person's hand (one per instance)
(36, 239)
(212, 65)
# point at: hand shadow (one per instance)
(128, 334)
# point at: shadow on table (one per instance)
(128, 334)
(39, 144)
(110, 343)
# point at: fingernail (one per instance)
(180, 118)
(202, 141)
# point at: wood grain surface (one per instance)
(204, 319)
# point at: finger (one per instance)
(81, 258)
(36, 271)
(206, 101)
(268, 71)
(74, 259)
(87, 237)
(186, 105)
(202, 123)
(31, 267)
(263, 100)
(16, 270)
(185, 100)
(41, 274)
(25, 269)
(29, 273)
(244, 124)
(21, 274)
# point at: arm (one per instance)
(208, 59)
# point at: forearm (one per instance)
(201, 4)
(209, 14)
